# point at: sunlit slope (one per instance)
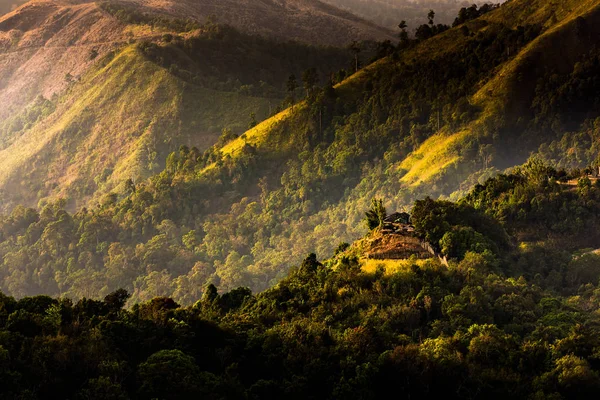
(118, 118)
(118, 123)
(42, 42)
(570, 28)
(433, 157)
(277, 137)
(547, 13)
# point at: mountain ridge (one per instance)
(50, 49)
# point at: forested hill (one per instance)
(210, 283)
(94, 93)
(503, 320)
(431, 116)
(389, 13)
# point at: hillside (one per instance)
(308, 21)
(502, 319)
(425, 228)
(389, 13)
(43, 41)
(430, 117)
(116, 124)
(97, 93)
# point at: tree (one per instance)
(129, 186)
(210, 294)
(376, 214)
(227, 136)
(253, 121)
(428, 30)
(430, 17)
(456, 242)
(292, 85)
(573, 377)
(403, 34)
(424, 32)
(310, 263)
(486, 153)
(355, 49)
(309, 78)
(170, 374)
(384, 49)
(117, 299)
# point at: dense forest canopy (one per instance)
(503, 319)
(254, 269)
(246, 210)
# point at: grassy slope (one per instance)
(433, 157)
(440, 155)
(111, 123)
(505, 93)
(392, 266)
(498, 92)
(108, 126)
(279, 125)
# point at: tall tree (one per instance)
(431, 16)
(309, 78)
(376, 214)
(253, 121)
(355, 49)
(292, 85)
(403, 33)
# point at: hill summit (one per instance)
(95, 93)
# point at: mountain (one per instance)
(430, 117)
(389, 13)
(471, 153)
(96, 93)
(309, 21)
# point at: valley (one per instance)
(265, 199)
(243, 211)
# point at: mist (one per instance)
(9, 5)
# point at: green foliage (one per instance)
(246, 210)
(376, 214)
(455, 229)
(460, 240)
(13, 127)
(514, 313)
(131, 15)
(223, 58)
(326, 330)
(469, 13)
(300, 182)
(171, 374)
